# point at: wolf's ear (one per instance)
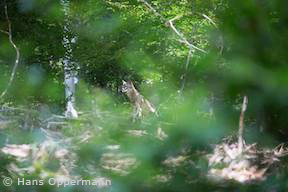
(130, 82)
(124, 82)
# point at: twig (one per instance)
(186, 69)
(2, 31)
(7, 109)
(170, 24)
(221, 41)
(210, 20)
(241, 124)
(9, 33)
(153, 9)
(181, 36)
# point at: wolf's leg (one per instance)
(138, 110)
(150, 107)
(134, 115)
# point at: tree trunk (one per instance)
(241, 124)
(70, 67)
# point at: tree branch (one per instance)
(9, 33)
(181, 36)
(221, 41)
(5, 32)
(153, 10)
(210, 20)
(170, 24)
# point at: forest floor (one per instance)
(55, 143)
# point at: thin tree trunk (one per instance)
(70, 68)
(9, 33)
(241, 124)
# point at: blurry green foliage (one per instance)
(124, 40)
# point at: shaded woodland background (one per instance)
(241, 49)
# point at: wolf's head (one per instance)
(127, 86)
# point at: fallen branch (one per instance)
(9, 33)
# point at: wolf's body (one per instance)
(140, 104)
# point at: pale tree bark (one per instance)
(241, 141)
(16, 63)
(70, 67)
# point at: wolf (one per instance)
(140, 104)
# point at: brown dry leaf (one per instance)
(280, 151)
(160, 134)
(242, 167)
(162, 178)
(137, 133)
(175, 161)
(61, 153)
(121, 163)
(19, 151)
